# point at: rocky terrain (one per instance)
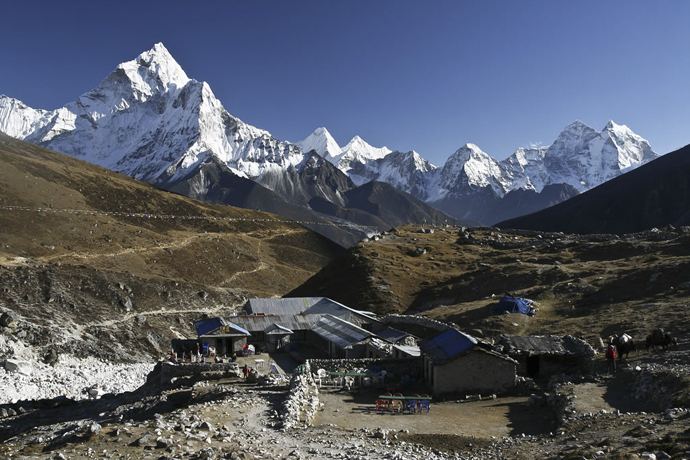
(593, 417)
(99, 272)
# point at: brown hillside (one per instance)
(584, 285)
(83, 248)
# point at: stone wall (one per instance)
(166, 372)
(474, 373)
(303, 401)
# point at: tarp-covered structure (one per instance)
(510, 304)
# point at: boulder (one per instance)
(8, 319)
(148, 436)
(20, 367)
(94, 428)
(126, 303)
(51, 357)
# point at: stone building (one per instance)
(540, 357)
(457, 363)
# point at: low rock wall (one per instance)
(303, 401)
(198, 371)
(412, 320)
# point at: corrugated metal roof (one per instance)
(410, 350)
(276, 306)
(340, 332)
(453, 343)
(392, 334)
(262, 322)
(326, 306)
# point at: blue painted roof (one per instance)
(447, 345)
(205, 326)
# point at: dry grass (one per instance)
(586, 286)
(79, 269)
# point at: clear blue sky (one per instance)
(423, 75)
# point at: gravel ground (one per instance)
(235, 419)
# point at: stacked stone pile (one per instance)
(303, 401)
(658, 383)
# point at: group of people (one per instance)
(192, 356)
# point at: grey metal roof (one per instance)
(277, 306)
(392, 334)
(408, 349)
(258, 323)
(326, 306)
(340, 332)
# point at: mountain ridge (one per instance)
(149, 120)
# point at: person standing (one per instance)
(611, 355)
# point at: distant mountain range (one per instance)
(653, 196)
(472, 185)
(149, 120)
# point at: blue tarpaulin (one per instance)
(510, 304)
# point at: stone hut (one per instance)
(540, 357)
(457, 363)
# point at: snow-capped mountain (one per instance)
(407, 171)
(581, 157)
(356, 153)
(323, 143)
(585, 158)
(149, 120)
(468, 169)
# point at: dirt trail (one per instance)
(129, 316)
(262, 266)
